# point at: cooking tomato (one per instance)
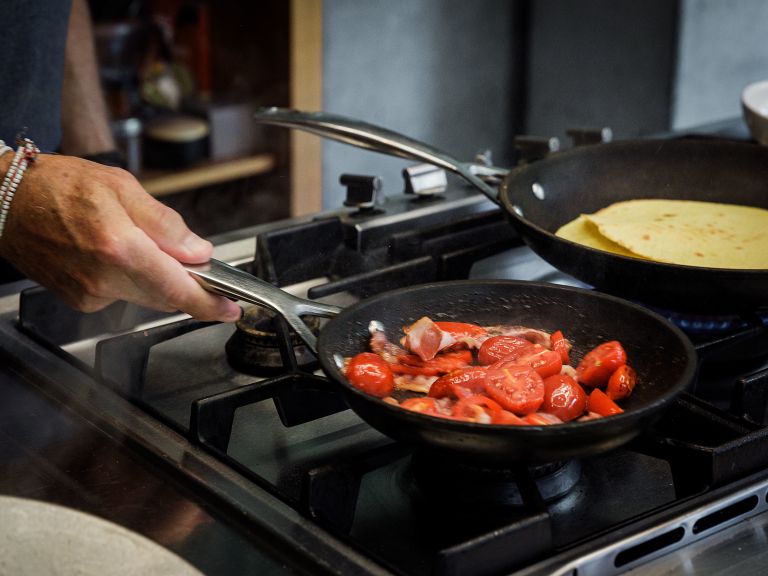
(561, 346)
(477, 408)
(497, 347)
(370, 373)
(599, 403)
(545, 362)
(599, 363)
(621, 383)
(459, 383)
(563, 397)
(422, 404)
(461, 329)
(519, 389)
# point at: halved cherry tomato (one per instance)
(561, 346)
(599, 363)
(477, 408)
(370, 373)
(563, 397)
(459, 383)
(461, 329)
(497, 347)
(519, 389)
(621, 383)
(545, 362)
(422, 404)
(599, 403)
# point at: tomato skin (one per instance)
(561, 346)
(496, 348)
(459, 383)
(599, 363)
(621, 383)
(545, 362)
(563, 397)
(477, 408)
(518, 389)
(599, 403)
(370, 373)
(421, 404)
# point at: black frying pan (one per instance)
(584, 180)
(663, 357)
(592, 177)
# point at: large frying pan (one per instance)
(539, 198)
(663, 357)
(584, 180)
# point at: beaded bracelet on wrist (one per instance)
(26, 153)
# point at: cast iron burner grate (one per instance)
(441, 479)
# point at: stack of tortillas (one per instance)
(708, 234)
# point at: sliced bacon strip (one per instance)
(425, 338)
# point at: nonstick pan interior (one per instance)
(661, 354)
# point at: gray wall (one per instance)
(467, 75)
(437, 70)
(723, 47)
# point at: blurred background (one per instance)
(182, 78)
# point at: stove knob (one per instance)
(532, 148)
(362, 191)
(583, 136)
(424, 180)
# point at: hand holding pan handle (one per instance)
(221, 278)
(378, 139)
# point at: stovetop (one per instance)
(145, 422)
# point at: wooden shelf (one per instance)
(163, 182)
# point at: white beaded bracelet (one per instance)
(25, 154)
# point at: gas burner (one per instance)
(441, 480)
(708, 325)
(254, 347)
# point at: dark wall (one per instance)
(601, 62)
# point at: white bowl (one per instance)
(754, 104)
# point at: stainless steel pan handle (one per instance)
(221, 278)
(375, 138)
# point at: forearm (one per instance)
(85, 121)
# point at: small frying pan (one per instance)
(663, 357)
(541, 197)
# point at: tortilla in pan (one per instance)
(692, 233)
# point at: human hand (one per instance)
(92, 235)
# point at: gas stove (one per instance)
(234, 436)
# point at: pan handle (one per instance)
(221, 278)
(370, 137)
